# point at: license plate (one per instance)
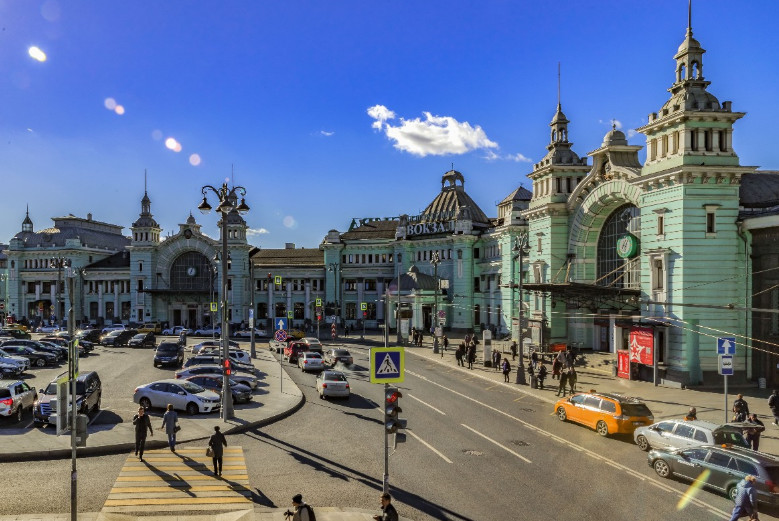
(638, 423)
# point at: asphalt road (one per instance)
(475, 450)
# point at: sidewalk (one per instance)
(258, 514)
(268, 406)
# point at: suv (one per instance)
(607, 413)
(90, 335)
(680, 434)
(727, 467)
(143, 340)
(169, 353)
(15, 397)
(89, 390)
(293, 349)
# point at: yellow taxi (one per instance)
(17, 326)
(607, 413)
(295, 333)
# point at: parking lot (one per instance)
(121, 370)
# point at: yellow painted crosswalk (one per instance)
(181, 481)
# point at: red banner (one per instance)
(642, 342)
(623, 364)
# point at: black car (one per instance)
(169, 353)
(727, 465)
(143, 340)
(37, 358)
(90, 335)
(241, 393)
(60, 352)
(118, 338)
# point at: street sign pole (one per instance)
(72, 368)
(385, 481)
(726, 397)
(726, 349)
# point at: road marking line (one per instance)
(426, 444)
(565, 442)
(496, 443)
(425, 403)
(174, 488)
(176, 501)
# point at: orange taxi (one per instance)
(607, 413)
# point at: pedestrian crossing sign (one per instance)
(387, 365)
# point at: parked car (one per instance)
(115, 327)
(8, 358)
(680, 434)
(241, 393)
(143, 340)
(239, 358)
(208, 331)
(10, 370)
(727, 467)
(150, 327)
(89, 335)
(216, 370)
(118, 338)
(169, 353)
(176, 331)
(332, 383)
(15, 397)
(36, 358)
(607, 413)
(295, 333)
(310, 362)
(15, 333)
(335, 356)
(48, 329)
(293, 350)
(89, 392)
(183, 395)
(247, 333)
(205, 344)
(60, 352)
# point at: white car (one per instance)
(332, 383)
(310, 362)
(209, 344)
(176, 331)
(208, 331)
(115, 327)
(48, 329)
(247, 333)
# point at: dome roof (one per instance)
(614, 138)
(454, 201)
(692, 98)
(234, 218)
(559, 116)
(146, 221)
(191, 219)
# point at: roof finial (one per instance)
(558, 86)
(689, 17)
(452, 167)
(28, 209)
(613, 124)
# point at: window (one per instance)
(696, 454)
(30, 287)
(608, 406)
(370, 285)
(746, 467)
(125, 311)
(538, 244)
(281, 309)
(477, 314)
(350, 285)
(721, 460)
(370, 258)
(343, 259)
(299, 308)
(660, 224)
(229, 284)
(578, 399)
(476, 253)
(710, 223)
(658, 274)
(351, 310)
(700, 436)
(140, 265)
(593, 402)
(721, 138)
(613, 270)
(262, 310)
(707, 139)
(684, 431)
(476, 284)
(665, 426)
(140, 286)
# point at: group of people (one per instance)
(466, 352)
(416, 337)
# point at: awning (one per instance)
(590, 296)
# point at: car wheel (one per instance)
(155, 364)
(145, 403)
(642, 443)
(732, 492)
(192, 409)
(40, 362)
(323, 396)
(662, 468)
(561, 415)
(20, 414)
(601, 428)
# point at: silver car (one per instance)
(310, 362)
(15, 397)
(184, 395)
(332, 383)
(210, 369)
(680, 434)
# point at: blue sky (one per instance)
(326, 111)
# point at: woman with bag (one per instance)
(170, 424)
(506, 369)
(216, 450)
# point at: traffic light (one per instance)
(392, 408)
(227, 367)
(364, 314)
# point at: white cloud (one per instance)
(326, 133)
(256, 231)
(433, 135)
(518, 157)
(632, 132)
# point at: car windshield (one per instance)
(341, 352)
(635, 409)
(166, 348)
(192, 387)
(334, 377)
(139, 337)
(51, 388)
(732, 437)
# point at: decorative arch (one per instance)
(191, 271)
(587, 220)
(173, 248)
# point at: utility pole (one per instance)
(434, 261)
(520, 249)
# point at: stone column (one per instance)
(100, 309)
(117, 309)
(307, 307)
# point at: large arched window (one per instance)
(611, 267)
(191, 271)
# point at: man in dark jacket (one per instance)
(217, 442)
(740, 409)
(773, 404)
(752, 435)
(388, 512)
(142, 423)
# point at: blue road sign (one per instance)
(387, 364)
(280, 335)
(726, 365)
(280, 322)
(726, 345)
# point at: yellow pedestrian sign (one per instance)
(319, 302)
(214, 307)
(363, 306)
(387, 364)
(277, 280)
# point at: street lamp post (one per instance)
(228, 198)
(434, 261)
(521, 248)
(4, 312)
(333, 268)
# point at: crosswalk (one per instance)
(181, 481)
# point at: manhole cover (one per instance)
(520, 443)
(525, 409)
(473, 452)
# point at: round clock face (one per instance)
(191, 271)
(627, 246)
(187, 233)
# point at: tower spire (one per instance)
(144, 181)
(558, 86)
(689, 17)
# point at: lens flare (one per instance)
(110, 103)
(194, 160)
(119, 109)
(289, 221)
(693, 489)
(36, 54)
(172, 144)
(156, 134)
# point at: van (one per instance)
(151, 327)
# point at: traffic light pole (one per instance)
(385, 482)
(72, 361)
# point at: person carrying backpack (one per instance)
(773, 404)
(302, 512)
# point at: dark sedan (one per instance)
(37, 358)
(143, 340)
(118, 338)
(241, 393)
(169, 353)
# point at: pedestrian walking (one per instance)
(506, 367)
(420, 336)
(542, 372)
(459, 354)
(513, 350)
(445, 342)
(746, 499)
(692, 414)
(752, 435)
(217, 442)
(569, 358)
(142, 424)
(557, 366)
(471, 355)
(563, 383)
(170, 425)
(572, 377)
(496, 359)
(773, 404)
(302, 512)
(346, 330)
(388, 512)
(534, 360)
(740, 409)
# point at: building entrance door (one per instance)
(177, 318)
(427, 317)
(192, 318)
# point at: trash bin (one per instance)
(533, 382)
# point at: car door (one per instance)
(177, 396)
(590, 411)
(724, 470)
(682, 436)
(28, 393)
(658, 435)
(156, 394)
(689, 463)
(574, 409)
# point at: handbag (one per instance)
(177, 428)
(210, 452)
